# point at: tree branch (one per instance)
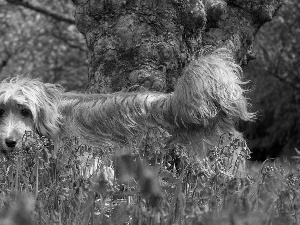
(70, 43)
(5, 60)
(42, 11)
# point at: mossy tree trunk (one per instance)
(144, 44)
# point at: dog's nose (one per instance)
(10, 143)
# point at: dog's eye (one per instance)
(2, 111)
(25, 112)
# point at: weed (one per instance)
(81, 185)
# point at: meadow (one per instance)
(152, 185)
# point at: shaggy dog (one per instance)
(207, 101)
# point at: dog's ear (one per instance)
(49, 117)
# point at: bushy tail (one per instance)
(210, 92)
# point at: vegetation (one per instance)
(199, 192)
(276, 80)
(39, 188)
(39, 45)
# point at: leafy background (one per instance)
(44, 42)
(275, 75)
(41, 45)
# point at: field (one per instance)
(152, 185)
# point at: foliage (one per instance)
(39, 187)
(42, 46)
(276, 77)
(62, 189)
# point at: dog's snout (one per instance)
(11, 143)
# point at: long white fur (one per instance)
(208, 99)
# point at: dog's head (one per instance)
(27, 105)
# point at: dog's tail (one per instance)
(210, 93)
(208, 98)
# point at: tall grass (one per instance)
(145, 187)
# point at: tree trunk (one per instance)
(138, 45)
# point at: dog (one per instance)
(207, 101)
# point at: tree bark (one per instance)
(144, 45)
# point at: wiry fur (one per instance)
(209, 93)
(207, 99)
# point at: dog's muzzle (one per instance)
(10, 143)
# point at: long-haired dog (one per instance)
(207, 101)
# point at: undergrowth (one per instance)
(154, 184)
